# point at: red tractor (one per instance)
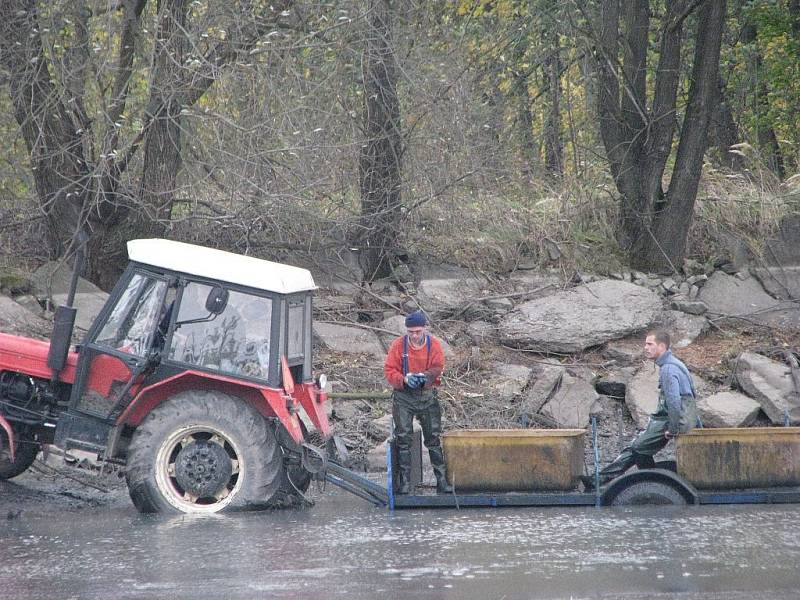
(195, 376)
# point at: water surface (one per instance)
(345, 548)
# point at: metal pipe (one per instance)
(596, 462)
(389, 473)
(77, 264)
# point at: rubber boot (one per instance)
(439, 470)
(644, 461)
(403, 472)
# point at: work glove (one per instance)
(412, 382)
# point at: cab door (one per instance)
(114, 358)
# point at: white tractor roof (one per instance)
(218, 264)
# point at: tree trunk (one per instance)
(621, 106)
(162, 148)
(766, 139)
(638, 139)
(553, 146)
(56, 151)
(725, 133)
(667, 244)
(380, 161)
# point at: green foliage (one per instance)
(510, 43)
(778, 48)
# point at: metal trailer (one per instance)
(659, 486)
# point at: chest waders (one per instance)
(423, 404)
(641, 450)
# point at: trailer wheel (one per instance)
(648, 492)
(24, 456)
(203, 452)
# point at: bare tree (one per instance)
(553, 145)
(638, 135)
(380, 163)
(81, 158)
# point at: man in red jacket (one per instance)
(414, 368)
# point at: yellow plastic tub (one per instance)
(730, 458)
(506, 460)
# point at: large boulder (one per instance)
(508, 380)
(784, 248)
(538, 284)
(54, 278)
(727, 409)
(584, 316)
(781, 282)
(481, 332)
(18, 320)
(338, 270)
(572, 404)
(684, 328)
(745, 298)
(626, 351)
(343, 338)
(87, 304)
(444, 297)
(641, 395)
(770, 383)
(545, 379)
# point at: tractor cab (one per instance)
(185, 316)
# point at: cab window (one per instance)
(295, 345)
(132, 322)
(236, 341)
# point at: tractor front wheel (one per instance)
(203, 452)
(25, 454)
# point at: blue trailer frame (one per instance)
(605, 496)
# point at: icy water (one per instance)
(345, 548)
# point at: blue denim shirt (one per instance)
(674, 381)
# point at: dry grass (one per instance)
(735, 207)
(571, 226)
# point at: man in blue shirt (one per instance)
(676, 412)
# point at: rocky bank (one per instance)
(529, 348)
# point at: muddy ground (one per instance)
(44, 489)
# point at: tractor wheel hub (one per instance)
(203, 468)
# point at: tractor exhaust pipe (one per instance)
(64, 321)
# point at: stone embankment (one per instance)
(533, 350)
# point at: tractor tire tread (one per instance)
(254, 435)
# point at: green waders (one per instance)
(423, 404)
(642, 449)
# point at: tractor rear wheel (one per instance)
(203, 452)
(25, 454)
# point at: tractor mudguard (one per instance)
(270, 402)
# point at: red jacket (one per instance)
(419, 361)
